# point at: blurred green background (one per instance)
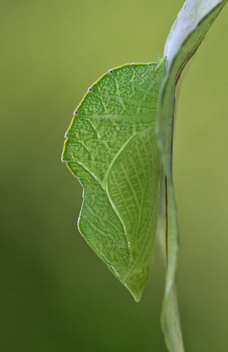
(55, 294)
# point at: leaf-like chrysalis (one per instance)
(110, 147)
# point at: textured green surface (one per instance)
(111, 148)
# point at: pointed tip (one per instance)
(135, 291)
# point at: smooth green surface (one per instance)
(165, 133)
(111, 148)
(164, 125)
(56, 295)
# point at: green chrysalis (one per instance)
(110, 147)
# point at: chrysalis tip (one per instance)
(135, 291)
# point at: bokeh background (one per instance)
(55, 294)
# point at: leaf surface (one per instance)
(111, 148)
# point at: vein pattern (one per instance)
(111, 148)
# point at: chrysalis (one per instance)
(110, 147)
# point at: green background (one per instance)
(55, 294)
